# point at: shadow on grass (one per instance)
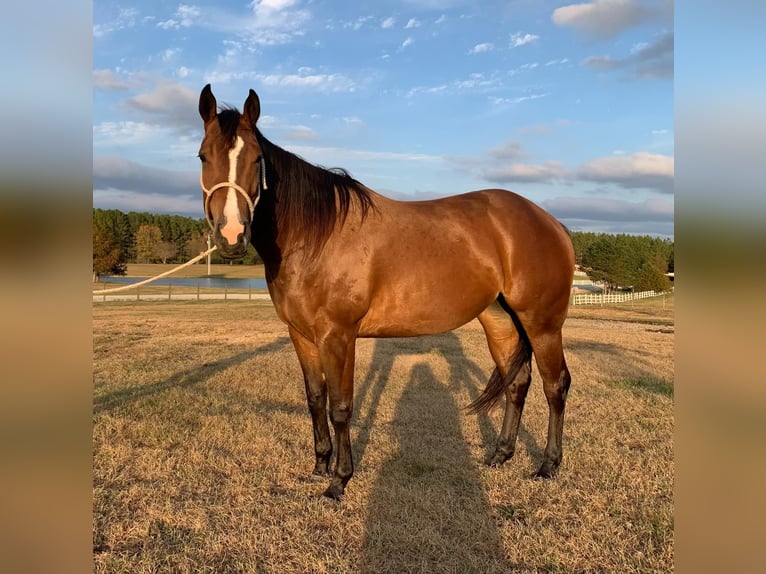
(428, 510)
(193, 376)
(463, 373)
(637, 375)
(652, 385)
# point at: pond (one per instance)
(203, 282)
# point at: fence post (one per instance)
(169, 287)
(197, 291)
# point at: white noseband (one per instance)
(232, 185)
(235, 186)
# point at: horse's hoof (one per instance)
(334, 492)
(546, 471)
(497, 459)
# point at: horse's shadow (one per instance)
(428, 509)
(463, 373)
(194, 375)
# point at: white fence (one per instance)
(601, 298)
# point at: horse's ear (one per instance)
(252, 108)
(207, 104)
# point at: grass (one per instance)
(202, 451)
(649, 385)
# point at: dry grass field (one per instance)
(203, 447)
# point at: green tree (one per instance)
(581, 240)
(166, 250)
(108, 256)
(606, 260)
(196, 244)
(112, 242)
(650, 278)
(148, 238)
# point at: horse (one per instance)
(342, 262)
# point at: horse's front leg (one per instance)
(336, 350)
(316, 395)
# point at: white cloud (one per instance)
(126, 18)
(328, 83)
(335, 156)
(170, 54)
(124, 133)
(517, 100)
(635, 171)
(354, 122)
(388, 22)
(647, 61)
(441, 19)
(481, 48)
(108, 80)
(301, 133)
(119, 173)
(519, 39)
(476, 82)
(185, 16)
(407, 42)
(165, 96)
(169, 104)
(274, 4)
(427, 90)
(142, 200)
(609, 209)
(602, 18)
(412, 23)
(358, 23)
(524, 172)
(276, 22)
(508, 150)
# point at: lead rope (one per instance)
(160, 276)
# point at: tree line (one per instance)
(617, 261)
(625, 261)
(121, 238)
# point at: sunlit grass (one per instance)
(203, 447)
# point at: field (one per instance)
(203, 447)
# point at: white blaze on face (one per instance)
(233, 226)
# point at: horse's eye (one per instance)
(201, 157)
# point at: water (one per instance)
(203, 282)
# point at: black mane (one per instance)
(309, 200)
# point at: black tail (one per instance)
(497, 384)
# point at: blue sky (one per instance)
(568, 104)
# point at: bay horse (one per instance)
(343, 262)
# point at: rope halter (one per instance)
(238, 188)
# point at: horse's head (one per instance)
(232, 175)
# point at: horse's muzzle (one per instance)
(235, 250)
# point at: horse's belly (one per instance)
(408, 316)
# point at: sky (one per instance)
(567, 104)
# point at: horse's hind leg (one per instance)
(549, 355)
(503, 341)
